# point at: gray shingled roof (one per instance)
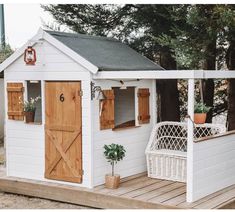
(107, 54)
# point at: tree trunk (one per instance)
(208, 85)
(208, 91)
(168, 108)
(112, 164)
(230, 60)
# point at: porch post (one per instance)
(190, 179)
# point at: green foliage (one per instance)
(114, 153)
(134, 24)
(199, 107)
(5, 52)
(201, 27)
(30, 106)
(196, 36)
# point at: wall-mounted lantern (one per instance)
(30, 56)
(98, 89)
(123, 86)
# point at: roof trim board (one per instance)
(166, 74)
(20, 51)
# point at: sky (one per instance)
(22, 22)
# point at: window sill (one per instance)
(34, 123)
(126, 125)
(124, 128)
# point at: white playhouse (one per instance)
(96, 91)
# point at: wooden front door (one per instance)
(63, 131)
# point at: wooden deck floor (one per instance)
(137, 191)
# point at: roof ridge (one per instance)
(80, 35)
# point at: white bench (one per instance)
(166, 152)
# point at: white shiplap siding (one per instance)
(214, 165)
(134, 140)
(25, 142)
(1, 108)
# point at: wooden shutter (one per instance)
(143, 101)
(15, 97)
(107, 110)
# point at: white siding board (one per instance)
(44, 52)
(1, 108)
(134, 140)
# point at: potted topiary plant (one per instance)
(200, 113)
(30, 108)
(113, 153)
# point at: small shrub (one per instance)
(114, 153)
(30, 106)
(201, 108)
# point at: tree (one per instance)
(136, 25)
(5, 52)
(231, 86)
(200, 43)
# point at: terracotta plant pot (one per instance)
(200, 118)
(112, 181)
(29, 116)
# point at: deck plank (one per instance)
(176, 200)
(218, 200)
(123, 180)
(169, 195)
(146, 189)
(205, 199)
(125, 188)
(127, 183)
(157, 192)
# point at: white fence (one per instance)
(213, 165)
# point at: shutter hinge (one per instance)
(139, 118)
(80, 93)
(81, 172)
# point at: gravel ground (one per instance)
(12, 201)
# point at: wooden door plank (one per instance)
(62, 128)
(62, 149)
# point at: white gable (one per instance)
(49, 58)
(37, 41)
